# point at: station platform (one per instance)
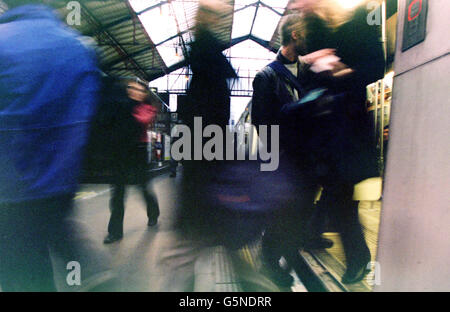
(328, 265)
(155, 259)
(160, 259)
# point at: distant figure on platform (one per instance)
(48, 94)
(136, 111)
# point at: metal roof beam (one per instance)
(270, 8)
(137, 53)
(263, 43)
(127, 18)
(147, 48)
(254, 17)
(107, 26)
(152, 7)
(166, 70)
(123, 19)
(120, 50)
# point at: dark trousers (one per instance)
(286, 227)
(27, 230)
(337, 204)
(298, 220)
(117, 206)
(286, 231)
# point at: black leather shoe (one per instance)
(112, 238)
(356, 273)
(351, 277)
(278, 275)
(152, 221)
(318, 243)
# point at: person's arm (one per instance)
(328, 66)
(262, 103)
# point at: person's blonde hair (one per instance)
(210, 13)
(331, 13)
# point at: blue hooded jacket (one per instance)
(49, 85)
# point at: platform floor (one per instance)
(332, 260)
(160, 259)
(154, 259)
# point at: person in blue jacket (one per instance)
(48, 92)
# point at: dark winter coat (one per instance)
(334, 147)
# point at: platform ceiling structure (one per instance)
(148, 38)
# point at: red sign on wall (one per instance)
(414, 30)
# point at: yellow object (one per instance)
(369, 189)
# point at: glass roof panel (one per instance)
(185, 12)
(171, 51)
(248, 57)
(167, 20)
(278, 5)
(242, 22)
(175, 82)
(266, 23)
(139, 5)
(159, 23)
(249, 48)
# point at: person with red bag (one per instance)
(131, 166)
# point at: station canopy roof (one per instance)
(148, 38)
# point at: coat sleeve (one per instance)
(263, 106)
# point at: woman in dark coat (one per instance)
(129, 119)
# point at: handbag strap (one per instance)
(280, 69)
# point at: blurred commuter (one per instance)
(276, 86)
(48, 92)
(341, 143)
(208, 97)
(130, 163)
